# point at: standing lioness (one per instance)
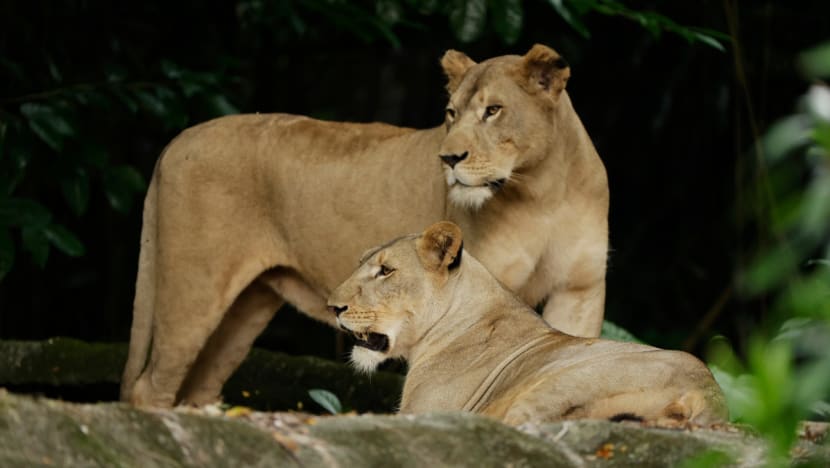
(472, 345)
(246, 212)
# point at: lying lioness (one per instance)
(247, 212)
(472, 345)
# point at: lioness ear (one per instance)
(544, 69)
(455, 65)
(440, 246)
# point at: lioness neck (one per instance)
(459, 347)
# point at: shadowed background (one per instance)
(90, 93)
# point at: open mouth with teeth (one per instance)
(371, 340)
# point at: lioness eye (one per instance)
(450, 113)
(491, 111)
(384, 271)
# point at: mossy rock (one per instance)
(76, 370)
(43, 432)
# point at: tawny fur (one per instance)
(247, 212)
(473, 345)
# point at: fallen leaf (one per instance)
(286, 442)
(605, 452)
(238, 411)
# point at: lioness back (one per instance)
(307, 182)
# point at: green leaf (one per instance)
(220, 105)
(770, 270)
(151, 103)
(815, 63)
(127, 99)
(115, 73)
(424, 7)
(821, 135)
(23, 212)
(121, 184)
(813, 380)
(36, 243)
(507, 16)
(175, 115)
(92, 98)
(815, 216)
(821, 408)
(76, 191)
(570, 18)
(47, 123)
(190, 88)
(650, 21)
(721, 354)
(708, 459)
(739, 391)
(709, 40)
(467, 18)
(384, 30)
(6, 253)
(808, 296)
(785, 135)
(54, 70)
(171, 69)
(614, 332)
(327, 400)
(389, 11)
(582, 7)
(64, 240)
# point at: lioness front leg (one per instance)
(577, 310)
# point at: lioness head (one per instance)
(394, 295)
(499, 119)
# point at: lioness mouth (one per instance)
(373, 341)
(494, 185)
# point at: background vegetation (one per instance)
(709, 116)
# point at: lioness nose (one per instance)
(453, 159)
(337, 310)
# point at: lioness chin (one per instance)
(247, 212)
(472, 345)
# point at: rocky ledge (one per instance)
(44, 432)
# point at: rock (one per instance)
(60, 361)
(39, 431)
(81, 371)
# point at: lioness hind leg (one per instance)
(577, 311)
(694, 407)
(189, 308)
(229, 344)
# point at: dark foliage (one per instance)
(90, 92)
